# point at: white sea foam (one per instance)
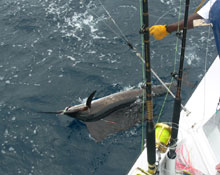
(71, 58)
(129, 6)
(82, 101)
(191, 57)
(49, 51)
(168, 2)
(41, 61)
(11, 149)
(77, 24)
(7, 82)
(128, 88)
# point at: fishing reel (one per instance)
(163, 135)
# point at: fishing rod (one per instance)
(150, 131)
(177, 102)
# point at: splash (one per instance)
(71, 23)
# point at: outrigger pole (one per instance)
(150, 131)
(177, 102)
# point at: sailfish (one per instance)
(113, 113)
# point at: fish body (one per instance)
(95, 110)
(113, 113)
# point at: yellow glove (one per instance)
(158, 31)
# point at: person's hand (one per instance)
(158, 31)
(218, 167)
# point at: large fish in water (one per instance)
(111, 114)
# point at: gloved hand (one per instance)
(158, 31)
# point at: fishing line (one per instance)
(106, 24)
(121, 35)
(124, 38)
(144, 80)
(109, 121)
(133, 48)
(174, 68)
(199, 6)
(116, 25)
(162, 16)
(187, 112)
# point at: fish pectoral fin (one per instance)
(89, 100)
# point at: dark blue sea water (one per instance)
(53, 54)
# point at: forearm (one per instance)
(174, 27)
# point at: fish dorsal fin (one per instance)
(89, 100)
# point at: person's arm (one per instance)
(160, 31)
(174, 27)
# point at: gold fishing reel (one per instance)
(163, 135)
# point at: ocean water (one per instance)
(54, 53)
